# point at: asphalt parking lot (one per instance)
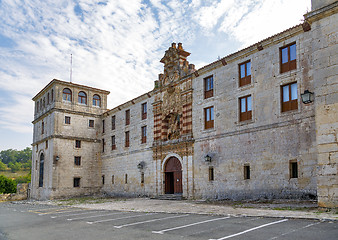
(37, 221)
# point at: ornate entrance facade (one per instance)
(173, 176)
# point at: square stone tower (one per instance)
(66, 144)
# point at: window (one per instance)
(77, 161)
(288, 58)
(128, 117)
(96, 100)
(126, 179)
(44, 102)
(52, 96)
(112, 179)
(103, 145)
(77, 144)
(293, 169)
(208, 87)
(91, 123)
(142, 177)
(103, 126)
(42, 160)
(40, 104)
(67, 95)
(244, 73)
(113, 144)
(144, 110)
(289, 97)
(113, 122)
(211, 174)
(46, 144)
(48, 98)
(82, 98)
(245, 108)
(246, 171)
(76, 182)
(126, 139)
(102, 179)
(208, 117)
(67, 120)
(37, 106)
(42, 127)
(144, 134)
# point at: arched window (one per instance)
(42, 160)
(67, 95)
(96, 100)
(82, 97)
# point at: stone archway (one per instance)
(173, 176)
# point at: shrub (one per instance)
(7, 185)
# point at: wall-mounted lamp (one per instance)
(307, 97)
(207, 158)
(141, 165)
(57, 158)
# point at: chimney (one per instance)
(173, 45)
(180, 46)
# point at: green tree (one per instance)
(3, 166)
(16, 160)
(15, 167)
(7, 185)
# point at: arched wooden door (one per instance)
(173, 176)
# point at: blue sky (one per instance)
(117, 45)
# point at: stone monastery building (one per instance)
(258, 123)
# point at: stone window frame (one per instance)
(77, 143)
(91, 123)
(113, 122)
(82, 98)
(127, 117)
(144, 111)
(113, 142)
(103, 145)
(293, 168)
(291, 104)
(96, 100)
(143, 134)
(67, 95)
(76, 182)
(127, 139)
(246, 79)
(77, 160)
(208, 86)
(209, 114)
(247, 172)
(67, 120)
(211, 174)
(246, 114)
(289, 64)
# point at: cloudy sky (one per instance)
(117, 44)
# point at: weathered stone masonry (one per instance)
(234, 129)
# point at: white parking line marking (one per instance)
(76, 214)
(152, 220)
(295, 230)
(102, 215)
(251, 229)
(113, 219)
(60, 211)
(42, 209)
(192, 224)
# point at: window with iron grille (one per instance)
(144, 110)
(244, 73)
(144, 134)
(128, 117)
(208, 117)
(288, 58)
(245, 108)
(208, 87)
(126, 139)
(113, 144)
(77, 161)
(289, 97)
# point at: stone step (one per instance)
(169, 197)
